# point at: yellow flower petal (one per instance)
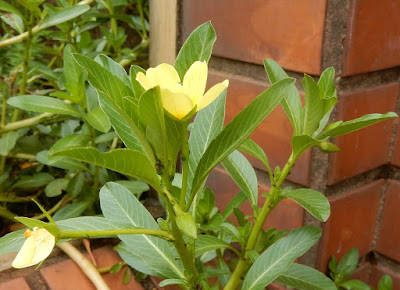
(165, 76)
(37, 247)
(195, 79)
(177, 104)
(212, 94)
(144, 81)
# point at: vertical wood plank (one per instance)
(163, 15)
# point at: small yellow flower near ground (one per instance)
(179, 99)
(37, 247)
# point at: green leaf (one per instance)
(134, 259)
(71, 211)
(328, 147)
(56, 186)
(207, 124)
(303, 142)
(239, 129)
(91, 223)
(313, 201)
(206, 243)
(252, 148)
(152, 115)
(186, 223)
(124, 126)
(75, 79)
(36, 103)
(137, 87)
(167, 282)
(72, 140)
(198, 47)
(59, 162)
(326, 83)
(314, 106)
(355, 285)
(118, 102)
(119, 204)
(356, 124)
(347, 265)
(292, 102)
(137, 187)
(4, 6)
(235, 202)
(303, 277)
(126, 277)
(36, 180)
(278, 257)
(7, 142)
(125, 161)
(31, 223)
(14, 21)
(76, 184)
(114, 67)
(385, 283)
(64, 15)
(12, 242)
(243, 174)
(98, 120)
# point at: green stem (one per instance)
(53, 209)
(269, 205)
(5, 213)
(184, 253)
(185, 164)
(142, 18)
(115, 232)
(25, 123)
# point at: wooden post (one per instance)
(163, 16)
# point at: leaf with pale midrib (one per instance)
(239, 129)
(278, 257)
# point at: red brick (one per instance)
(288, 31)
(275, 132)
(67, 275)
(287, 215)
(388, 242)
(379, 271)
(362, 272)
(275, 286)
(18, 283)
(351, 223)
(368, 148)
(396, 148)
(372, 41)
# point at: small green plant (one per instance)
(151, 112)
(341, 272)
(36, 43)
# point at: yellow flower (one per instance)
(37, 247)
(179, 99)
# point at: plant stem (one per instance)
(142, 18)
(25, 123)
(88, 268)
(185, 164)
(53, 209)
(184, 253)
(5, 213)
(269, 205)
(114, 232)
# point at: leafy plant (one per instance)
(340, 273)
(45, 100)
(151, 111)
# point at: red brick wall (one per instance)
(361, 39)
